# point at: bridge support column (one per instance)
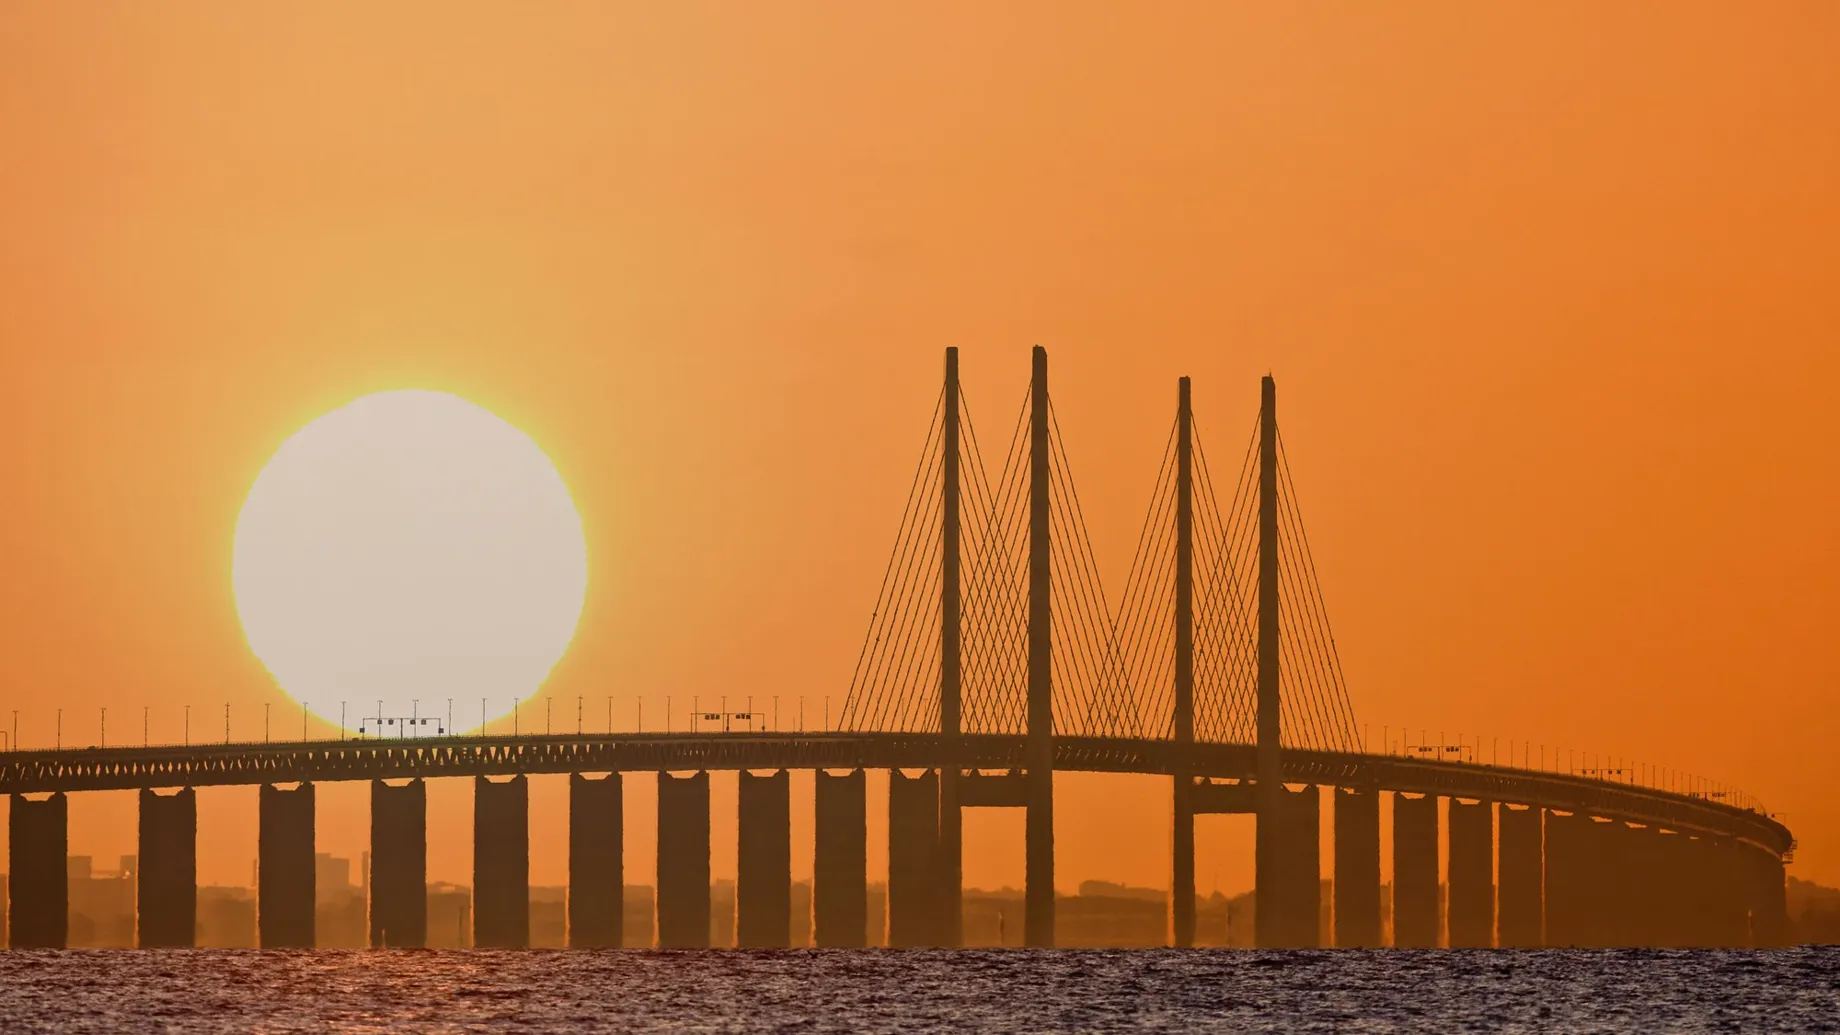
(501, 863)
(1182, 863)
(1730, 914)
(913, 847)
(1472, 875)
(683, 861)
(597, 865)
(168, 891)
(1614, 884)
(1567, 877)
(763, 885)
(1300, 869)
(399, 865)
(840, 892)
(1768, 897)
(38, 889)
(1415, 871)
(1357, 868)
(1523, 878)
(285, 878)
(1607, 912)
(1653, 889)
(1669, 901)
(1038, 893)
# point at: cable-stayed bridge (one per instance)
(994, 658)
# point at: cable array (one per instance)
(1113, 672)
(896, 675)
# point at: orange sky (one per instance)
(1549, 290)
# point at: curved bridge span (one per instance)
(992, 660)
(981, 755)
(1529, 858)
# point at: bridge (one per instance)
(992, 661)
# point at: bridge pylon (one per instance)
(1182, 883)
(1267, 921)
(1039, 754)
(951, 858)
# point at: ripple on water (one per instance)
(405, 991)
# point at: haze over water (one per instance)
(1795, 990)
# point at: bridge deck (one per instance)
(205, 765)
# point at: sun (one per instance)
(407, 549)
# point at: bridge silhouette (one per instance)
(992, 660)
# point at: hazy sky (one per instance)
(1549, 290)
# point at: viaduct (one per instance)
(991, 663)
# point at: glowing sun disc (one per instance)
(407, 549)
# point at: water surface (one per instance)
(1795, 990)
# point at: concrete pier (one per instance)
(683, 861)
(1300, 869)
(399, 865)
(913, 849)
(1599, 883)
(763, 885)
(285, 877)
(597, 866)
(1357, 868)
(1567, 896)
(501, 863)
(1651, 888)
(168, 891)
(840, 891)
(1625, 886)
(1768, 891)
(1521, 890)
(1472, 874)
(38, 890)
(1727, 915)
(1415, 871)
